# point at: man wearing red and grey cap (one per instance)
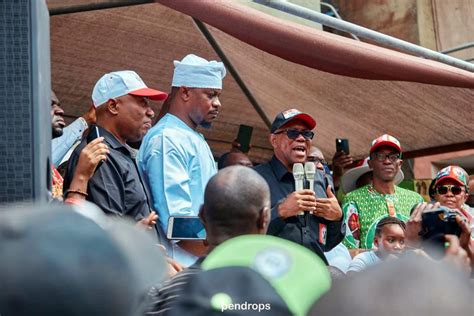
(364, 207)
(123, 114)
(321, 227)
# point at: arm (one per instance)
(351, 218)
(71, 134)
(89, 158)
(340, 162)
(167, 173)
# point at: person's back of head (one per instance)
(236, 202)
(56, 261)
(408, 286)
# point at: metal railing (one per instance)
(363, 32)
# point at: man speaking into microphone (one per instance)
(310, 218)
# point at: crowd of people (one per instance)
(269, 247)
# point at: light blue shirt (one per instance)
(363, 260)
(71, 134)
(176, 163)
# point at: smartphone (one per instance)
(93, 133)
(244, 136)
(342, 144)
(435, 224)
(185, 227)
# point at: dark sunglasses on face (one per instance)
(381, 157)
(443, 189)
(293, 133)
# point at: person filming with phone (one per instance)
(312, 218)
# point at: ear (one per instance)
(370, 162)
(112, 107)
(273, 140)
(184, 93)
(400, 163)
(263, 219)
(376, 241)
(202, 211)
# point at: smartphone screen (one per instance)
(342, 144)
(93, 133)
(244, 136)
(183, 227)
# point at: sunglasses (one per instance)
(381, 157)
(293, 133)
(443, 189)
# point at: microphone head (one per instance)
(310, 170)
(298, 171)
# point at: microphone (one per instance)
(298, 174)
(310, 171)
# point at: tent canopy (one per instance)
(426, 118)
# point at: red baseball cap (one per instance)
(291, 115)
(386, 140)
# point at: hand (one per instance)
(95, 152)
(173, 266)
(297, 202)
(412, 236)
(456, 255)
(340, 162)
(236, 147)
(329, 207)
(90, 116)
(148, 222)
(465, 239)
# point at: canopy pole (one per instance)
(233, 72)
(95, 6)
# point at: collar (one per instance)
(113, 142)
(372, 190)
(178, 122)
(278, 168)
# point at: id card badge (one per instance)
(323, 233)
(391, 208)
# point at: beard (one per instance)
(57, 132)
(205, 124)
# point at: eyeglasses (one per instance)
(316, 160)
(381, 157)
(443, 189)
(293, 133)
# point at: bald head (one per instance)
(233, 159)
(236, 202)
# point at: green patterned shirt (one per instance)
(364, 207)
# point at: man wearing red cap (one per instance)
(321, 227)
(364, 207)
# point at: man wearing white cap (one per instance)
(123, 114)
(174, 159)
(364, 207)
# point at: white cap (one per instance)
(120, 83)
(196, 72)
